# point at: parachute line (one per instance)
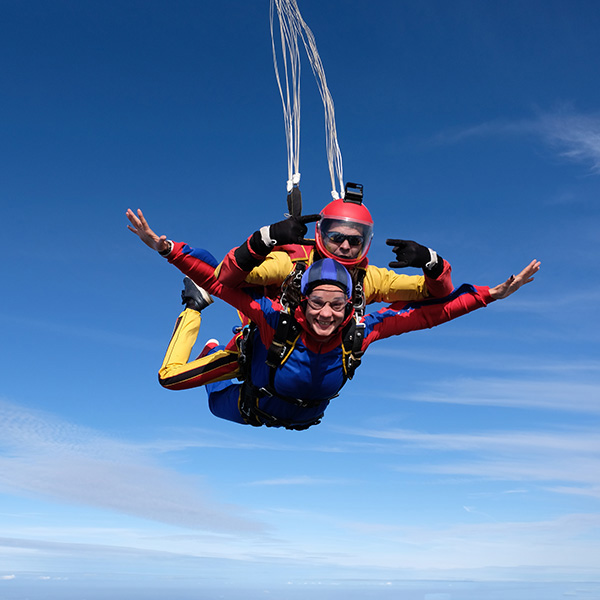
(292, 27)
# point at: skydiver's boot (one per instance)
(193, 296)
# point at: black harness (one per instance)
(286, 335)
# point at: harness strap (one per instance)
(352, 352)
(278, 347)
(257, 393)
(244, 343)
(358, 292)
(256, 416)
(287, 328)
(290, 288)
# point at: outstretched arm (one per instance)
(411, 316)
(199, 265)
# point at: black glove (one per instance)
(409, 254)
(291, 230)
(288, 231)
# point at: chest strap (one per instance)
(358, 292)
(352, 352)
(286, 335)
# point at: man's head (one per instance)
(327, 287)
(344, 232)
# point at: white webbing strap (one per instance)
(292, 26)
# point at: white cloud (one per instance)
(584, 472)
(576, 136)
(573, 136)
(593, 491)
(543, 394)
(490, 360)
(581, 441)
(489, 129)
(66, 329)
(300, 480)
(46, 456)
(478, 545)
(566, 462)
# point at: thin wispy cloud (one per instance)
(495, 128)
(170, 557)
(581, 471)
(593, 491)
(468, 540)
(95, 550)
(542, 394)
(492, 361)
(67, 330)
(479, 545)
(46, 456)
(561, 461)
(586, 442)
(300, 480)
(187, 438)
(573, 136)
(585, 299)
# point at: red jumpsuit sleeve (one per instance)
(441, 286)
(237, 263)
(402, 317)
(189, 261)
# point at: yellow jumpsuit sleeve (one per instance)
(385, 285)
(380, 285)
(272, 271)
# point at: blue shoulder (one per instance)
(201, 254)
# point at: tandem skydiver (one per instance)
(344, 231)
(287, 392)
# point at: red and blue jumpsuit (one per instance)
(313, 372)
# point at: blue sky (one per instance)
(468, 452)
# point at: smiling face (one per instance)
(325, 310)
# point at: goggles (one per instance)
(339, 238)
(317, 303)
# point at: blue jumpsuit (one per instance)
(313, 372)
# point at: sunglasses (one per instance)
(317, 303)
(339, 238)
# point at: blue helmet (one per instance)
(329, 271)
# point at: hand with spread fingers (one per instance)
(140, 227)
(514, 282)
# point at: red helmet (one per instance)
(344, 232)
